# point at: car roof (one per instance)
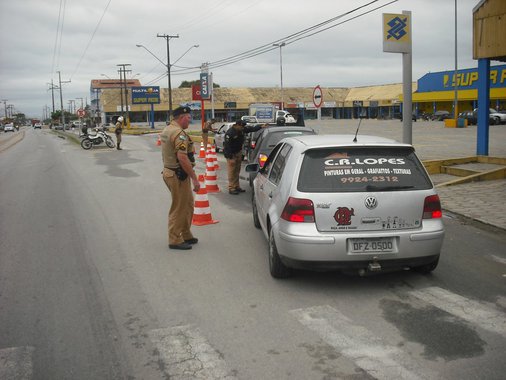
(275, 128)
(322, 141)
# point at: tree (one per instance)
(188, 84)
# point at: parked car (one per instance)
(326, 202)
(219, 136)
(9, 128)
(57, 127)
(441, 115)
(250, 119)
(265, 141)
(494, 116)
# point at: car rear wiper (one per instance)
(387, 188)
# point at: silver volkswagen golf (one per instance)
(325, 202)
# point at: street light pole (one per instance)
(167, 38)
(281, 71)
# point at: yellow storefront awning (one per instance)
(448, 96)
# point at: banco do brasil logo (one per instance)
(397, 28)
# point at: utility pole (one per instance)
(5, 107)
(167, 38)
(61, 99)
(52, 92)
(123, 87)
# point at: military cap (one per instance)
(181, 110)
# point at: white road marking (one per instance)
(187, 354)
(475, 312)
(16, 363)
(381, 361)
(498, 259)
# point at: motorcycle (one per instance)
(98, 138)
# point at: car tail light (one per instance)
(432, 208)
(261, 160)
(298, 211)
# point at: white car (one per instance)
(219, 136)
(329, 202)
(500, 118)
(9, 127)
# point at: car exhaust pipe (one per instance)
(373, 266)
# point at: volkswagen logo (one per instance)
(371, 202)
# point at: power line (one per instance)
(91, 39)
(305, 33)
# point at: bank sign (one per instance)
(146, 95)
(465, 79)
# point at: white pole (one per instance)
(407, 107)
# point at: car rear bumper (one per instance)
(385, 264)
(333, 249)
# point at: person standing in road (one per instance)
(208, 127)
(232, 149)
(118, 131)
(178, 156)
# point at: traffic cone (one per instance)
(215, 157)
(159, 141)
(202, 211)
(202, 153)
(211, 178)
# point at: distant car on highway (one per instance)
(37, 126)
(9, 127)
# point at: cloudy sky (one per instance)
(85, 39)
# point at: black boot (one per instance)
(117, 147)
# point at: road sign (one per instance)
(81, 112)
(317, 97)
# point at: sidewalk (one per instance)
(484, 201)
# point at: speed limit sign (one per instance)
(81, 112)
(317, 97)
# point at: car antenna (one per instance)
(356, 133)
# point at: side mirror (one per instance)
(252, 168)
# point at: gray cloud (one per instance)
(348, 55)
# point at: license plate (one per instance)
(371, 245)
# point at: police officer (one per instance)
(232, 150)
(178, 162)
(118, 131)
(206, 128)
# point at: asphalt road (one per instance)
(89, 289)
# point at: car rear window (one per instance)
(362, 169)
(273, 138)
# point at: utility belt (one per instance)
(180, 173)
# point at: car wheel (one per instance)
(497, 121)
(427, 268)
(256, 221)
(276, 267)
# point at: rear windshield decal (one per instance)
(362, 169)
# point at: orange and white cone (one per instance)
(202, 210)
(211, 177)
(159, 141)
(202, 153)
(215, 157)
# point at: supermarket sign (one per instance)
(146, 95)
